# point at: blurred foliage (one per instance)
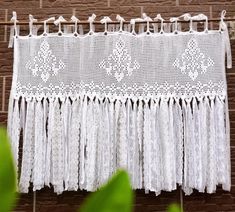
(8, 179)
(174, 208)
(115, 196)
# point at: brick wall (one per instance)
(46, 200)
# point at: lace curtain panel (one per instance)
(153, 103)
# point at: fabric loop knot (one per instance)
(91, 19)
(45, 24)
(147, 19)
(121, 20)
(58, 22)
(105, 20)
(75, 20)
(159, 17)
(31, 21)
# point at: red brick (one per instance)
(73, 3)
(69, 201)
(19, 4)
(174, 11)
(6, 59)
(1, 93)
(3, 118)
(206, 2)
(142, 3)
(8, 81)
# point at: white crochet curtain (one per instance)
(153, 103)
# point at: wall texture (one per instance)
(46, 200)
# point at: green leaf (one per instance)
(174, 208)
(7, 174)
(115, 196)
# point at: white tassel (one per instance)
(187, 121)
(107, 148)
(38, 172)
(123, 158)
(83, 140)
(197, 148)
(178, 137)
(73, 145)
(56, 150)
(91, 147)
(227, 185)
(140, 128)
(15, 131)
(48, 158)
(153, 153)
(146, 147)
(172, 147)
(28, 149)
(100, 137)
(66, 116)
(165, 145)
(211, 171)
(220, 140)
(45, 139)
(112, 136)
(203, 128)
(134, 165)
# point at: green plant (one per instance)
(7, 174)
(115, 196)
(174, 208)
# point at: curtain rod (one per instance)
(113, 22)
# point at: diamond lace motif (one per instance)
(193, 61)
(119, 63)
(45, 63)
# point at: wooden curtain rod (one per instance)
(113, 22)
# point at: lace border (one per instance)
(112, 91)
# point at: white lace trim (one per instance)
(113, 91)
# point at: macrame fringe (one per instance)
(73, 144)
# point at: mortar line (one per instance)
(4, 112)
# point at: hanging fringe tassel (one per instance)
(187, 168)
(90, 164)
(57, 163)
(78, 143)
(227, 172)
(38, 172)
(28, 149)
(49, 143)
(140, 136)
(14, 130)
(73, 146)
(178, 137)
(66, 120)
(83, 140)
